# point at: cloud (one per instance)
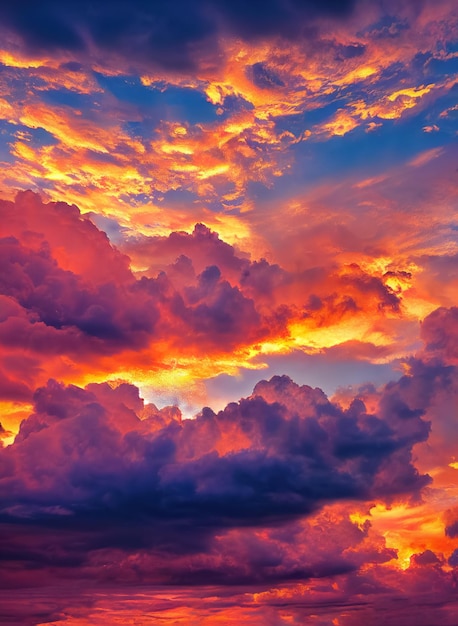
(168, 35)
(439, 331)
(60, 300)
(70, 299)
(88, 457)
(100, 486)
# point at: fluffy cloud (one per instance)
(67, 293)
(90, 457)
(70, 299)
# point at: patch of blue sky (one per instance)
(234, 104)
(448, 123)
(361, 153)
(179, 104)
(105, 157)
(115, 232)
(386, 81)
(451, 46)
(394, 142)
(218, 205)
(7, 135)
(387, 27)
(137, 199)
(388, 78)
(319, 370)
(264, 193)
(436, 68)
(10, 133)
(179, 198)
(21, 83)
(142, 131)
(66, 97)
(184, 199)
(314, 370)
(39, 137)
(300, 122)
(233, 206)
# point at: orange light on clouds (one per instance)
(412, 530)
(223, 201)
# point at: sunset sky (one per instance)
(229, 312)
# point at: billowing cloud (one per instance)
(263, 493)
(68, 295)
(71, 300)
(281, 452)
(88, 457)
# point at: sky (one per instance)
(228, 312)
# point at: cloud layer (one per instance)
(168, 36)
(211, 194)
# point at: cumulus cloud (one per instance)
(66, 292)
(60, 300)
(88, 457)
(71, 296)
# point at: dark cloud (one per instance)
(350, 51)
(59, 299)
(216, 309)
(202, 247)
(453, 560)
(169, 35)
(327, 295)
(263, 77)
(451, 530)
(90, 457)
(181, 255)
(426, 558)
(101, 487)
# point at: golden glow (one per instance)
(12, 414)
(353, 329)
(414, 92)
(14, 60)
(358, 74)
(213, 171)
(411, 530)
(341, 124)
(205, 156)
